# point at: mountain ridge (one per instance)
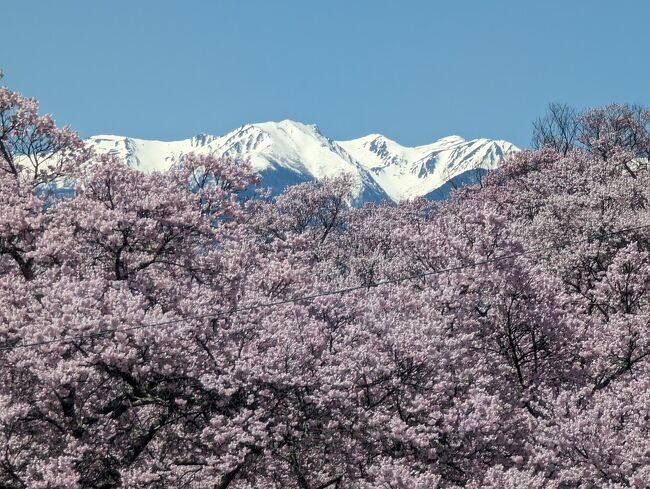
(289, 152)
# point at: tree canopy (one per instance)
(162, 330)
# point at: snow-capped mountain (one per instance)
(405, 172)
(289, 152)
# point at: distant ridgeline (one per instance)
(287, 152)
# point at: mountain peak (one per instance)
(288, 125)
(453, 139)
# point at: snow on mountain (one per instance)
(289, 152)
(405, 172)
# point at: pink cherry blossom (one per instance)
(169, 330)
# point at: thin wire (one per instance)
(347, 290)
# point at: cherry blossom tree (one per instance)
(167, 330)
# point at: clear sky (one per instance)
(412, 70)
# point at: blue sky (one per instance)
(412, 70)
